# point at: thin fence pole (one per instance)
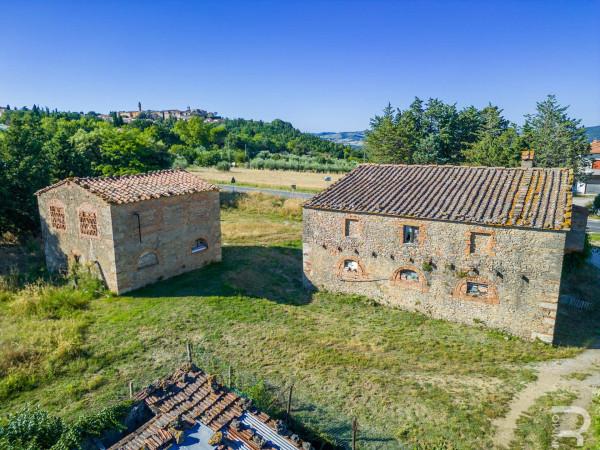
(354, 432)
(131, 389)
(229, 376)
(289, 403)
(188, 346)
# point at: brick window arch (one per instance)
(409, 277)
(351, 268)
(476, 289)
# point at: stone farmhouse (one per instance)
(466, 244)
(132, 230)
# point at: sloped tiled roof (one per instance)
(511, 197)
(189, 396)
(143, 186)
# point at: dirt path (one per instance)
(552, 375)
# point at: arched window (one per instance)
(147, 259)
(410, 277)
(477, 289)
(199, 246)
(350, 268)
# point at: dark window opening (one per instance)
(410, 234)
(477, 289)
(351, 266)
(408, 275)
(351, 228)
(479, 242)
(199, 246)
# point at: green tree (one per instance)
(383, 143)
(497, 141)
(25, 169)
(557, 139)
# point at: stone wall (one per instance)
(169, 228)
(62, 245)
(520, 267)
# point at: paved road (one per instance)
(277, 192)
(593, 225)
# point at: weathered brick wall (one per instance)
(169, 228)
(60, 245)
(521, 267)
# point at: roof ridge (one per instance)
(459, 166)
(131, 175)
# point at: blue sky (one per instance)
(327, 65)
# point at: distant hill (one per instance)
(356, 138)
(593, 132)
(351, 138)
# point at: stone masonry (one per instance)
(139, 240)
(522, 269)
(467, 244)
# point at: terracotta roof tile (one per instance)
(189, 396)
(144, 186)
(514, 197)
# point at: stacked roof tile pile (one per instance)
(516, 197)
(145, 186)
(190, 396)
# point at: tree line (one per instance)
(39, 147)
(434, 132)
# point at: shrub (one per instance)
(31, 429)
(596, 205)
(180, 163)
(43, 300)
(223, 166)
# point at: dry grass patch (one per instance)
(268, 178)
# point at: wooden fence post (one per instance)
(189, 352)
(131, 389)
(229, 376)
(289, 404)
(354, 432)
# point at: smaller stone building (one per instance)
(467, 244)
(133, 230)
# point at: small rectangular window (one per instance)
(88, 226)
(477, 289)
(57, 217)
(351, 228)
(479, 243)
(410, 235)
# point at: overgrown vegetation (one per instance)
(34, 429)
(407, 378)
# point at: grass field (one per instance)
(407, 378)
(274, 179)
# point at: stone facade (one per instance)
(504, 277)
(135, 243)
